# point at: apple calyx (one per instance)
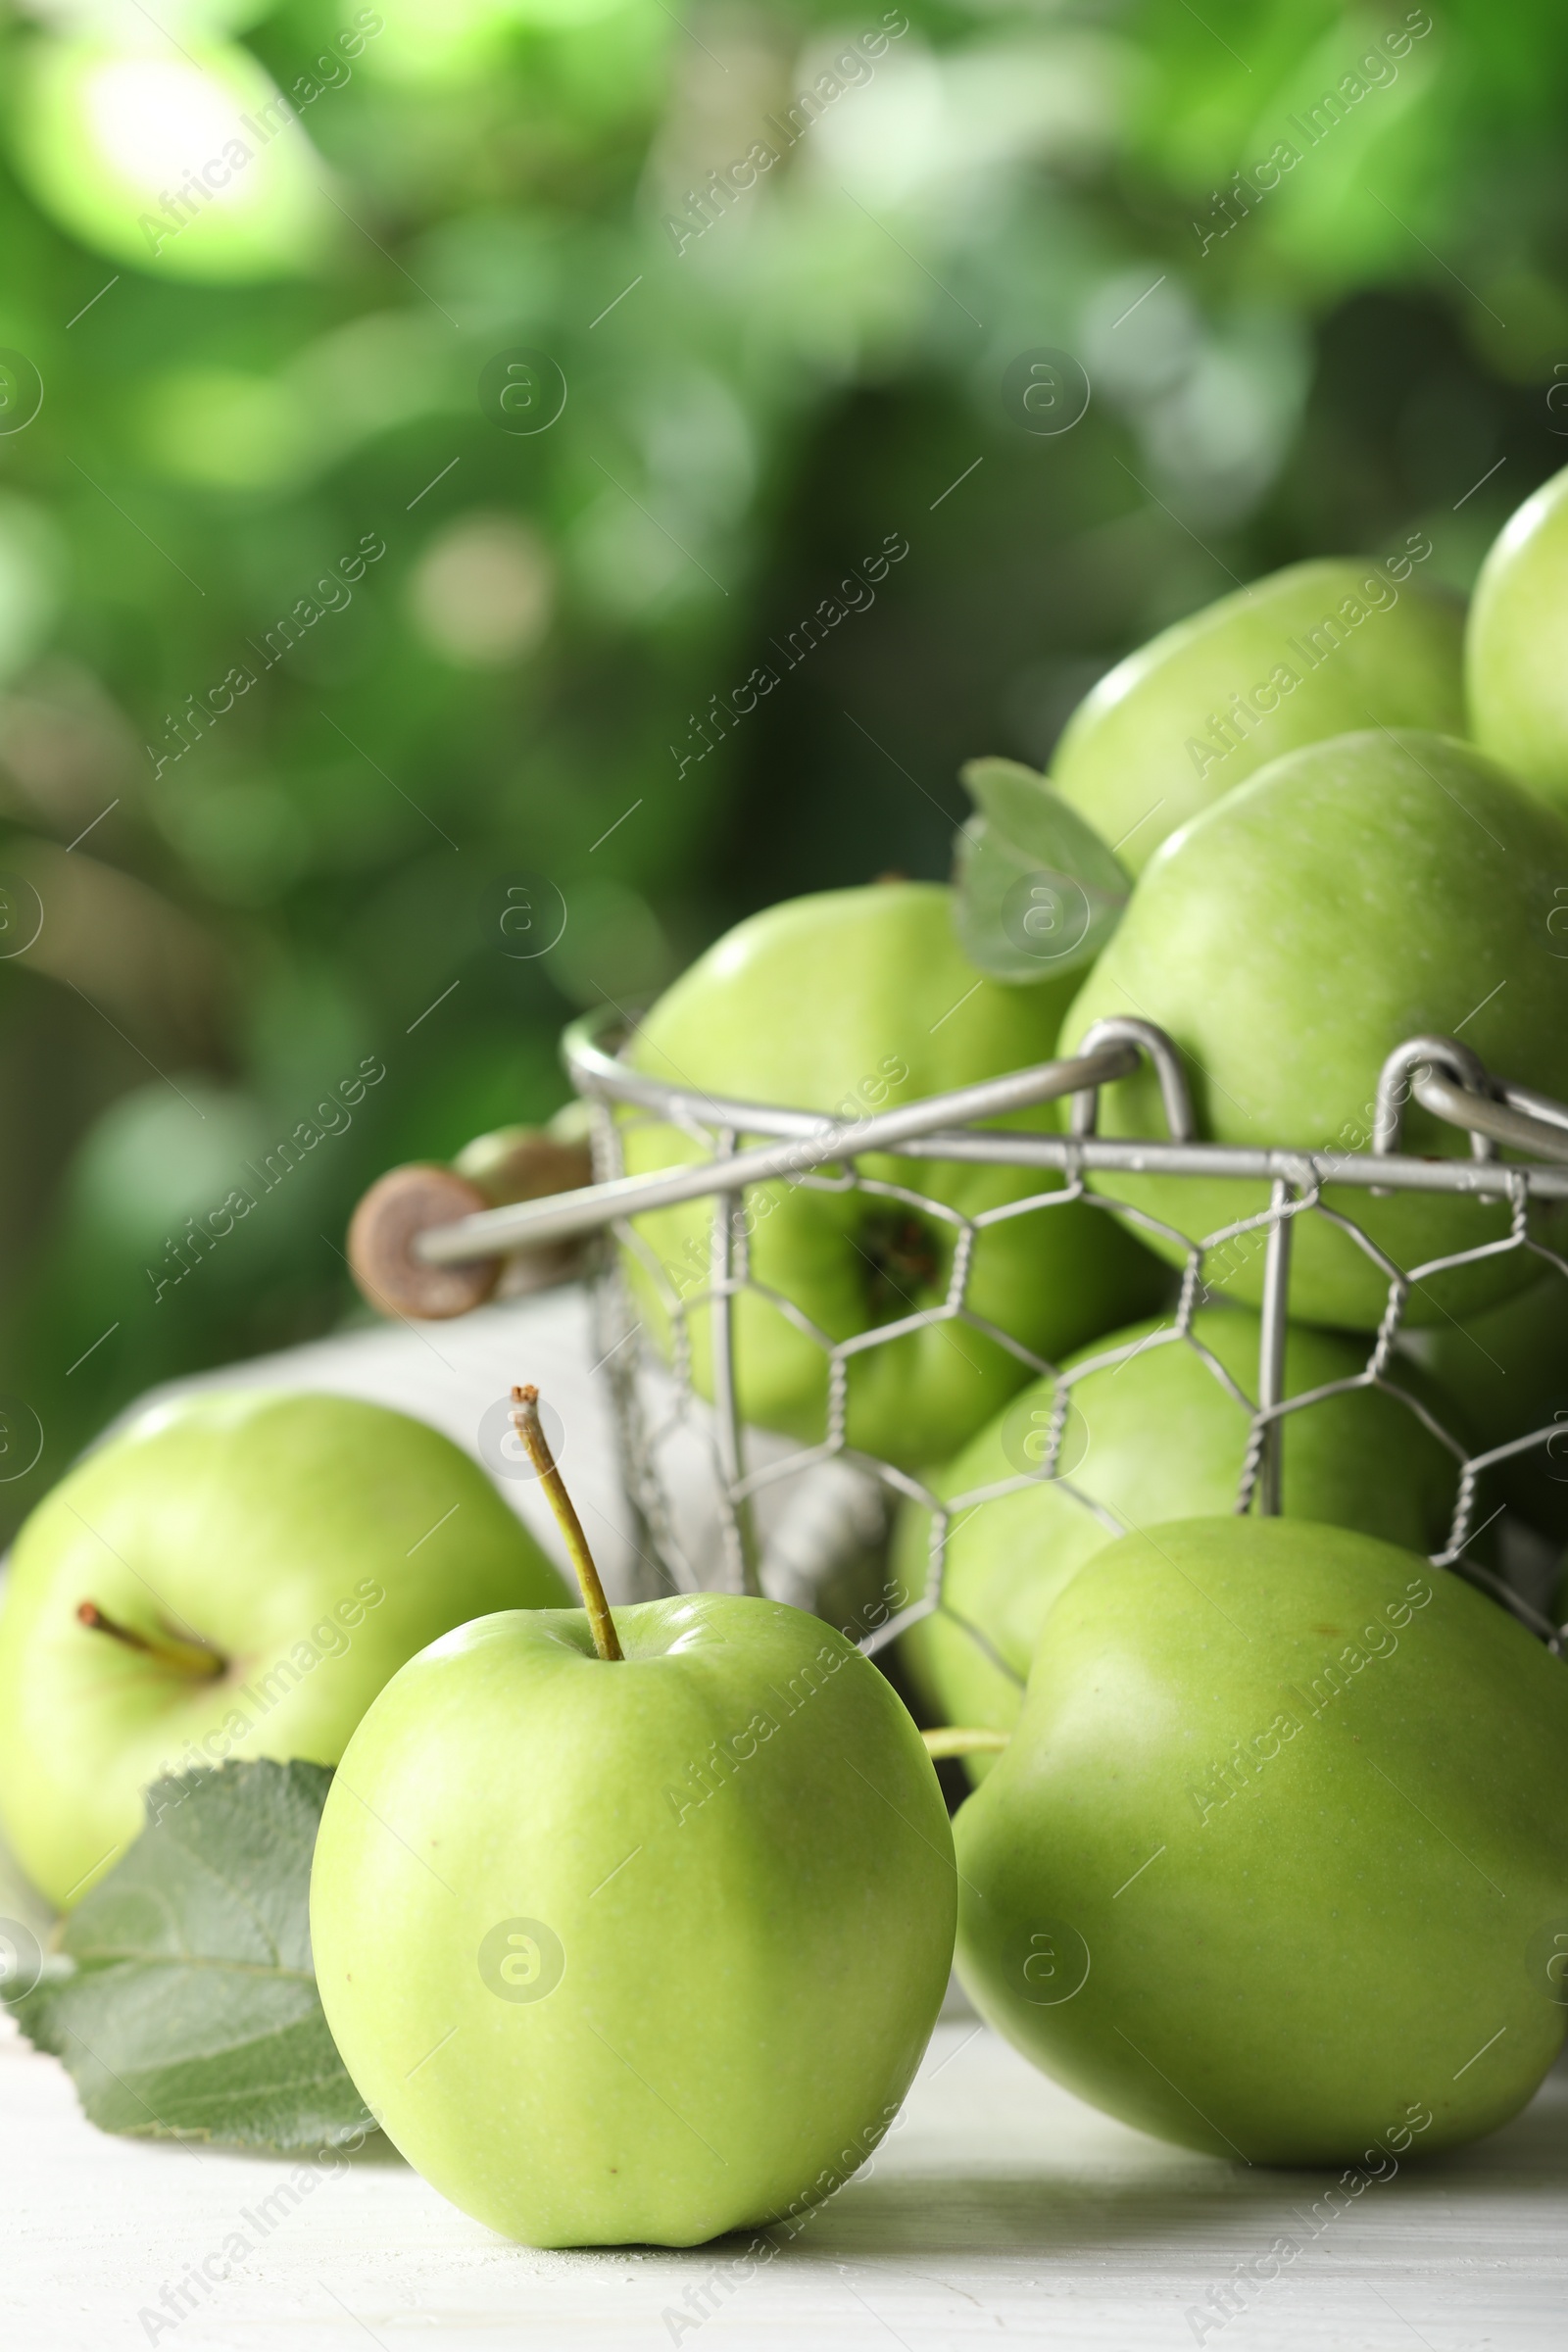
(953, 1740)
(526, 1421)
(185, 1657)
(902, 1255)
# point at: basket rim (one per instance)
(597, 1068)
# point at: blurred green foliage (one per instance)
(242, 910)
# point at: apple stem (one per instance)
(952, 1741)
(186, 1657)
(526, 1421)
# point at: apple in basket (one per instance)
(1515, 668)
(1506, 1372)
(1307, 653)
(1351, 897)
(1158, 1430)
(848, 1002)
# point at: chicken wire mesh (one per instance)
(741, 1146)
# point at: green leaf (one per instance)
(189, 2009)
(1038, 891)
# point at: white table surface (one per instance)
(1000, 2210)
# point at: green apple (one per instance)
(1515, 668)
(642, 1949)
(254, 1564)
(848, 1003)
(1315, 650)
(1507, 1372)
(1153, 1434)
(1352, 896)
(1275, 1862)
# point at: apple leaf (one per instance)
(185, 2006)
(1038, 892)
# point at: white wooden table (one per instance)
(1000, 2210)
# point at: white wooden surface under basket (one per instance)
(999, 2212)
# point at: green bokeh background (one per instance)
(1379, 345)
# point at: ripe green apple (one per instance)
(1515, 669)
(1307, 653)
(1275, 1863)
(260, 1563)
(1352, 896)
(640, 1950)
(1507, 1373)
(1155, 1435)
(848, 1003)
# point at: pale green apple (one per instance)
(848, 1003)
(268, 1558)
(1315, 650)
(1352, 896)
(1153, 1434)
(1506, 1372)
(635, 1950)
(1516, 654)
(1275, 1864)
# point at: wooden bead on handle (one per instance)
(514, 1164)
(399, 1205)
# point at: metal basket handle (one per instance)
(529, 1223)
(1453, 1082)
(1445, 1076)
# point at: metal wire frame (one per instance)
(824, 1153)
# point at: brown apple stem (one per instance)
(186, 1657)
(953, 1740)
(526, 1421)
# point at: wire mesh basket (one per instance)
(745, 1145)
